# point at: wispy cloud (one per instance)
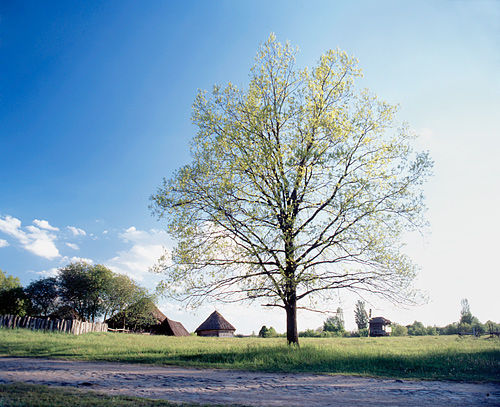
(77, 231)
(76, 259)
(43, 224)
(146, 247)
(3, 243)
(73, 246)
(37, 241)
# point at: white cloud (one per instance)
(43, 224)
(146, 248)
(37, 241)
(76, 259)
(3, 243)
(11, 226)
(73, 246)
(105, 232)
(48, 273)
(77, 231)
(81, 259)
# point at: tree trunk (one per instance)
(291, 322)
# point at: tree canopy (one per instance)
(43, 295)
(299, 185)
(335, 323)
(12, 298)
(465, 313)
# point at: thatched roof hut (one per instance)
(380, 326)
(215, 325)
(171, 328)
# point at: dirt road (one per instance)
(245, 388)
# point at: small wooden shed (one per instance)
(380, 326)
(215, 325)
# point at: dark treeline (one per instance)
(79, 291)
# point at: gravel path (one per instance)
(246, 388)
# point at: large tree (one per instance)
(299, 185)
(43, 295)
(84, 287)
(121, 293)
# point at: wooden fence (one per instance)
(71, 326)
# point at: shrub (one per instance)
(399, 330)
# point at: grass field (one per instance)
(426, 357)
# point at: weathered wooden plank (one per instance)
(74, 327)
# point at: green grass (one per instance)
(28, 395)
(427, 357)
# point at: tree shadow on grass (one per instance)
(470, 366)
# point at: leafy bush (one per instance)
(416, 329)
(363, 332)
(266, 332)
(398, 330)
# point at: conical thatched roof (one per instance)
(215, 322)
(173, 328)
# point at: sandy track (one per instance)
(246, 388)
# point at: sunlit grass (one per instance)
(428, 357)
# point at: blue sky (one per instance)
(95, 105)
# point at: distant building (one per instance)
(380, 326)
(215, 325)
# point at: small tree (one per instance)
(263, 331)
(12, 297)
(398, 330)
(431, 330)
(336, 323)
(266, 332)
(465, 313)
(360, 315)
(417, 329)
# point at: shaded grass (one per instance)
(28, 395)
(428, 357)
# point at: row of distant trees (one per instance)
(335, 325)
(78, 290)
